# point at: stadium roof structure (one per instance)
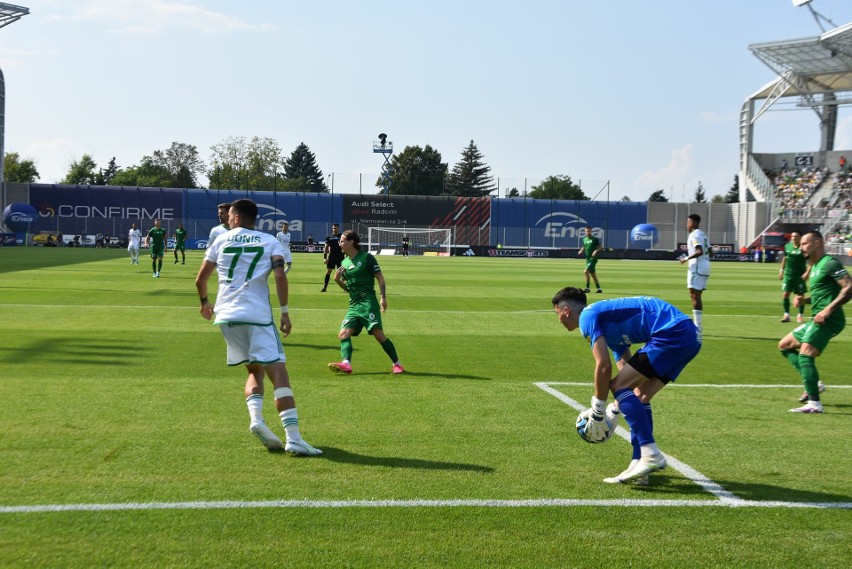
(809, 65)
(10, 13)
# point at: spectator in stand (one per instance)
(842, 163)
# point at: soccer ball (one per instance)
(600, 437)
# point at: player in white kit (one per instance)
(698, 249)
(134, 238)
(243, 258)
(283, 237)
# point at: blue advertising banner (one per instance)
(561, 223)
(105, 203)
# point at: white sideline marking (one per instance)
(686, 470)
(319, 504)
(713, 385)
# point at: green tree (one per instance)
(718, 198)
(104, 176)
(146, 174)
(733, 195)
(513, 193)
(17, 170)
(470, 176)
(658, 196)
(700, 197)
(82, 171)
(417, 171)
(626, 199)
(266, 165)
(182, 162)
(229, 164)
(302, 165)
(558, 188)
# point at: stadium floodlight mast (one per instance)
(385, 147)
(8, 13)
(817, 16)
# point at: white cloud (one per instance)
(53, 157)
(675, 174)
(154, 16)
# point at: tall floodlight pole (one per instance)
(817, 16)
(8, 13)
(384, 147)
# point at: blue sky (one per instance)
(642, 94)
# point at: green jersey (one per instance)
(180, 236)
(157, 236)
(794, 261)
(590, 245)
(359, 274)
(824, 285)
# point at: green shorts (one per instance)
(816, 335)
(157, 252)
(180, 247)
(365, 314)
(590, 264)
(794, 284)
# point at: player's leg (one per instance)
(183, 255)
(786, 304)
(587, 274)
(176, 256)
(154, 263)
(814, 339)
(159, 263)
(327, 277)
(387, 346)
(285, 404)
(350, 327)
(254, 402)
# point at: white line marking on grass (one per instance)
(713, 385)
(320, 504)
(683, 468)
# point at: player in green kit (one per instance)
(591, 247)
(792, 275)
(156, 240)
(180, 243)
(831, 288)
(356, 276)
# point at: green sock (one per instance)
(346, 349)
(792, 356)
(154, 266)
(159, 265)
(786, 305)
(389, 349)
(810, 376)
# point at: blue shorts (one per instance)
(669, 351)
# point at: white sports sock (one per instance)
(696, 318)
(290, 421)
(649, 450)
(255, 407)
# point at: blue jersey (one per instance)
(626, 321)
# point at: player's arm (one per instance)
(383, 303)
(282, 290)
(603, 368)
(842, 298)
(338, 278)
(201, 280)
(596, 251)
(781, 270)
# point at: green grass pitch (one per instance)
(116, 405)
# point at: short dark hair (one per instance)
(570, 295)
(815, 233)
(350, 235)
(246, 209)
(225, 205)
(695, 217)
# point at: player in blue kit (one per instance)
(671, 341)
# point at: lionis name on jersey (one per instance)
(244, 238)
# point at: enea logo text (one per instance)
(563, 224)
(22, 217)
(271, 219)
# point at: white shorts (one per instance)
(249, 344)
(288, 257)
(696, 281)
(132, 249)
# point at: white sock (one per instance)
(649, 450)
(255, 408)
(290, 420)
(696, 318)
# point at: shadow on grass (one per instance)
(28, 258)
(340, 455)
(74, 351)
(664, 484)
(757, 338)
(413, 374)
